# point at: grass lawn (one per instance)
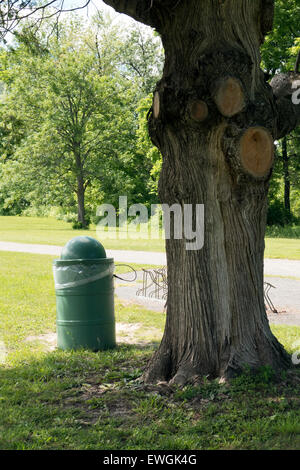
(85, 400)
(50, 231)
(284, 248)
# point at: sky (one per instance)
(91, 9)
(87, 12)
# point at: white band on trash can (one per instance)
(84, 274)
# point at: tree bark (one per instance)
(216, 320)
(80, 202)
(215, 120)
(286, 175)
(80, 192)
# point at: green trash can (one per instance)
(84, 296)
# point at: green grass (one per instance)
(283, 248)
(50, 231)
(85, 400)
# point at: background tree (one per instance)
(215, 118)
(141, 58)
(86, 109)
(15, 12)
(279, 54)
(73, 105)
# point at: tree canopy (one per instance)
(279, 55)
(75, 101)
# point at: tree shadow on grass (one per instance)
(81, 399)
(44, 400)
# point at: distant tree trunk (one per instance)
(80, 192)
(214, 119)
(80, 202)
(286, 176)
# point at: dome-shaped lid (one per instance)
(83, 247)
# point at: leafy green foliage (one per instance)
(74, 100)
(279, 53)
(145, 146)
(141, 58)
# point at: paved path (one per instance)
(28, 248)
(286, 294)
(273, 267)
(282, 267)
(124, 256)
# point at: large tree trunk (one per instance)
(216, 320)
(214, 118)
(214, 125)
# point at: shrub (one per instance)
(289, 231)
(79, 225)
(279, 215)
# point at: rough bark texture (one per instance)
(216, 320)
(80, 201)
(286, 176)
(80, 192)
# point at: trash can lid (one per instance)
(83, 247)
